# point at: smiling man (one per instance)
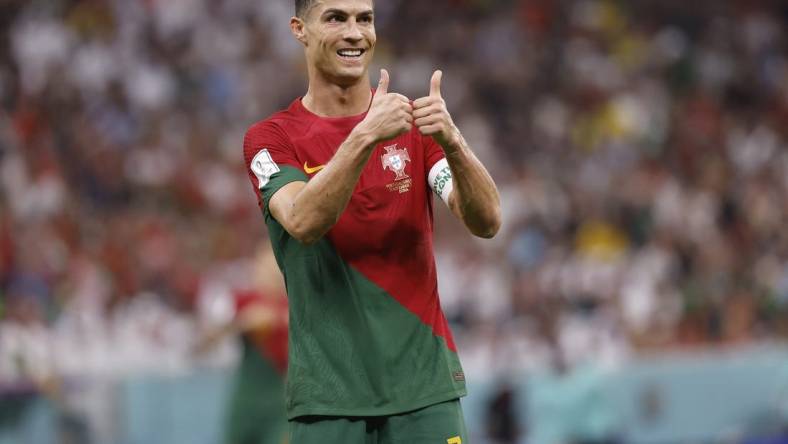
(344, 178)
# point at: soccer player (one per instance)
(257, 414)
(256, 411)
(344, 177)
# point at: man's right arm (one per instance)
(307, 210)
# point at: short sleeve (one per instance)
(270, 161)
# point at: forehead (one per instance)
(349, 6)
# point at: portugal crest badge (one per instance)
(395, 160)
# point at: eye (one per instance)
(335, 18)
(365, 19)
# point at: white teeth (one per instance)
(349, 52)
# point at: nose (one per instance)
(352, 32)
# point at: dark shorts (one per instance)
(437, 424)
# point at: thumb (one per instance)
(383, 84)
(435, 83)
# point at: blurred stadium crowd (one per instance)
(641, 151)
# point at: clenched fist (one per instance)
(432, 118)
(389, 115)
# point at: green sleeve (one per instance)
(284, 176)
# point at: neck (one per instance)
(327, 99)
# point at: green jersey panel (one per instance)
(354, 350)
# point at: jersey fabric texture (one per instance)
(367, 334)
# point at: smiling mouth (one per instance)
(350, 53)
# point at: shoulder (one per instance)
(274, 124)
(275, 131)
(271, 140)
(281, 123)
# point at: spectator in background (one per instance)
(502, 417)
(26, 364)
(640, 151)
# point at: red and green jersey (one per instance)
(367, 333)
(256, 410)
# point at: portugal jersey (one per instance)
(367, 333)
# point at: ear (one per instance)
(298, 29)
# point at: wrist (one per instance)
(362, 137)
(454, 144)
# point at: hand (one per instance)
(390, 114)
(432, 117)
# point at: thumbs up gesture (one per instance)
(432, 118)
(389, 115)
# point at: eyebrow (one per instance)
(341, 12)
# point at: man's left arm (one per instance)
(474, 198)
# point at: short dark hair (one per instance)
(302, 6)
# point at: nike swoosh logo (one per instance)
(313, 170)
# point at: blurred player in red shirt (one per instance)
(256, 410)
